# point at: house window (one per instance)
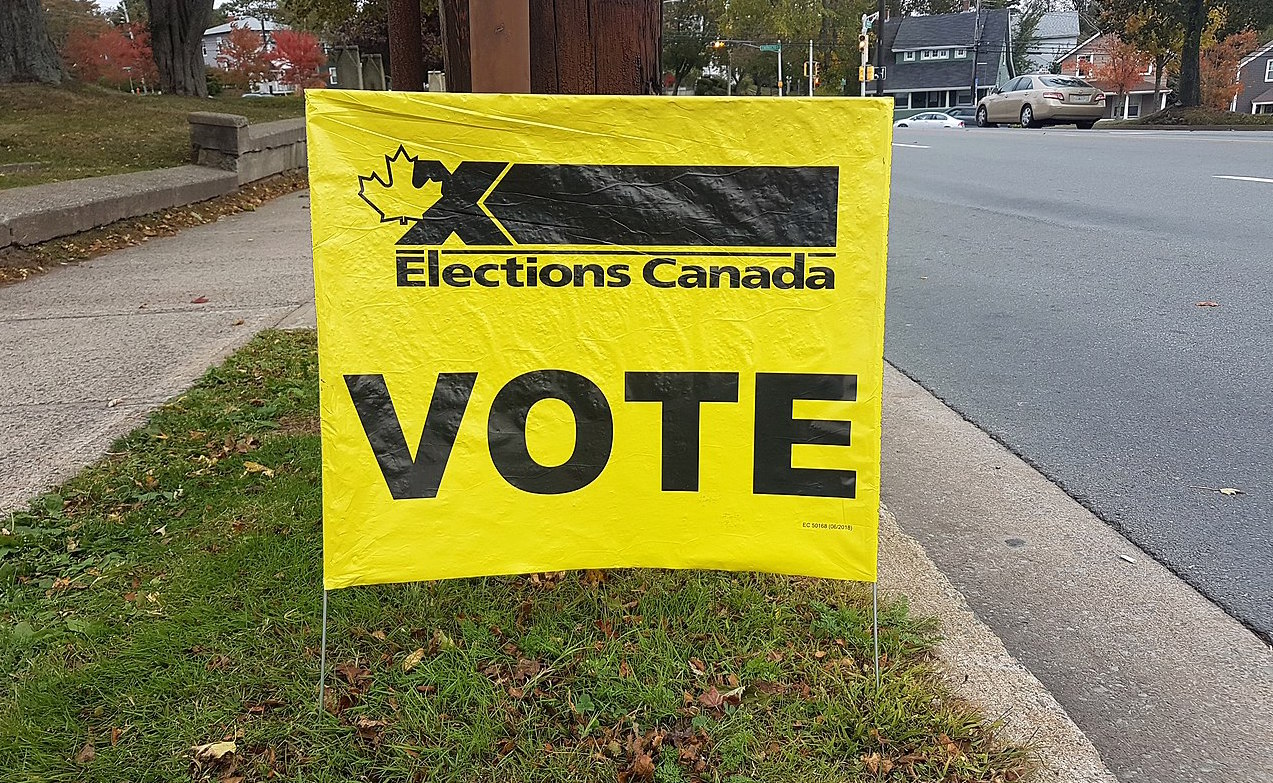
(961, 53)
(1268, 71)
(1083, 65)
(205, 50)
(909, 57)
(935, 54)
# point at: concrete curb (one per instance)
(977, 667)
(1244, 128)
(229, 153)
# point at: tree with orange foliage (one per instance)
(243, 56)
(1219, 69)
(299, 56)
(1121, 69)
(108, 56)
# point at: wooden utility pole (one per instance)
(608, 47)
(406, 60)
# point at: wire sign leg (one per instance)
(322, 659)
(875, 628)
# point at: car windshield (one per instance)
(1064, 81)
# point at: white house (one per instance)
(213, 37)
(1056, 35)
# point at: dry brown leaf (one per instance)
(86, 754)
(378, 635)
(712, 698)
(1208, 304)
(116, 733)
(697, 666)
(643, 766)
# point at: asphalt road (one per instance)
(1045, 284)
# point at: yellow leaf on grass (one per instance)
(214, 750)
(256, 467)
(413, 660)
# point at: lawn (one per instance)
(87, 131)
(159, 621)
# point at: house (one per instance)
(1088, 57)
(1255, 80)
(214, 36)
(944, 60)
(1057, 34)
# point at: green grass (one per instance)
(169, 597)
(87, 131)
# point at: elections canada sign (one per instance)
(590, 332)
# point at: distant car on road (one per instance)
(1042, 99)
(966, 113)
(932, 119)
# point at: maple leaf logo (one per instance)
(393, 196)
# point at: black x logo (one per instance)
(458, 210)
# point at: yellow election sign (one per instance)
(562, 332)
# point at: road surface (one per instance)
(1046, 284)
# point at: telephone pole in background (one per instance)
(406, 60)
(580, 47)
(880, 13)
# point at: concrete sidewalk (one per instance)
(88, 350)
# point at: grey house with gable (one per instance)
(1255, 82)
(936, 62)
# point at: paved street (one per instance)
(1045, 285)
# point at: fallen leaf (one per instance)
(256, 467)
(413, 660)
(711, 698)
(86, 754)
(697, 666)
(116, 733)
(378, 635)
(114, 402)
(214, 751)
(367, 728)
(1208, 304)
(1231, 491)
(643, 766)
(161, 531)
(199, 300)
(625, 671)
(239, 322)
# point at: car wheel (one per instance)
(902, 125)
(1086, 125)
(1027, 117)
(983, 119)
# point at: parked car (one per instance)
(1042, 99)
(966, 113)
(931, 119)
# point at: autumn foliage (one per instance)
(109, 56)
(1219, 66)
(1121, 67)
(299, 57)
(243, 56)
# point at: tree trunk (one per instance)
(406, 62)
(1160, 64)
(26, 53)
(1191, 55)
(176, 37)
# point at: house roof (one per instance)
(250, 22)
(1058, 24)
(1257, 54)
(1081, 46)
(938, 30)
(1264, 97)
(944, 31)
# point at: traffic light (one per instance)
(870, 73)
(861, 73)
(864, 44)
